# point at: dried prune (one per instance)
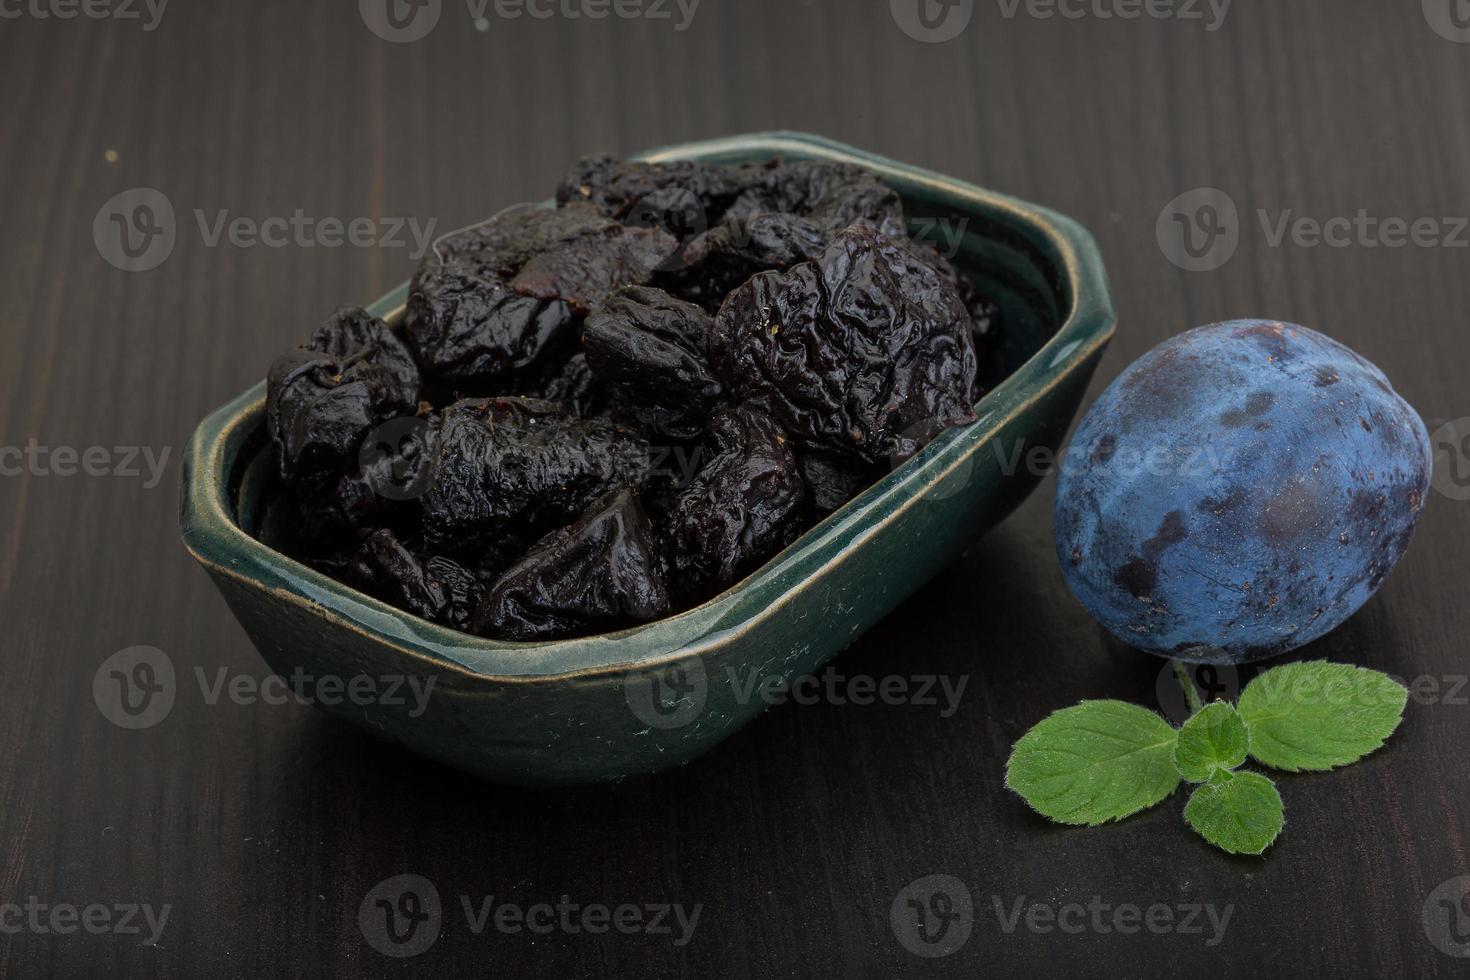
(865, 352)
(834, 480)
(617, 188)
(322, 398)
(438, 589)
(472, 331)
(741, 508)
(601, 573)
(508, 469)
(740, 246)
(572, 384)
(496, 299)
(651, 346)
(831, 195)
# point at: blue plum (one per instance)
(1239, 492)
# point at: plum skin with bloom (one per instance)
(1240, 491)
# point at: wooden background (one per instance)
(263, 827)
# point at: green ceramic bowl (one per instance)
(647, 699)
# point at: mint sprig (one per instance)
(1105, 760)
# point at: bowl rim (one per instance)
(213, 537)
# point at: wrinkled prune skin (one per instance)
(864, 353)
(984, 312)
(618, 188)
(651, 346)
(742, 507)
(322, 398)
(740, 246)
(601, 573)
(437, 589)
(790, 215)
(830, 195)
(500, 298)
(834, 480)
(509, 469)
(474, 332)
(583, 271)
(572, 384)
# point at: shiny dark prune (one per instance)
(651, 346)
(618, 188)
(509, 469)
(742, 507)
(830, 195)
(736, 249)
(834, 480)
(573, 384)
(473, 331)
(864, 353)
(437, 588)
(790, 215)
(497, 299)
(322, 398)
(602, 572)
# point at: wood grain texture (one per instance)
(264, 826)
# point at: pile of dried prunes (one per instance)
(598, 414)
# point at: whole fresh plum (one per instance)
(1239, 492)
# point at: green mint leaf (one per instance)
(1239, 812)
(1214, 739)
(1319, 715)
(1098, 761)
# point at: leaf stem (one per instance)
(1191, 695)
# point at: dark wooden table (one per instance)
(262, 828)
